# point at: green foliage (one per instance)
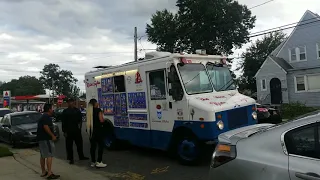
(5, 152)
(59, 80)
(254, 57)
(217, 26)
(25, 85)
(293, 110)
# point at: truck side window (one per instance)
(119, 84)
(157, 85)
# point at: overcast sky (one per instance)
(81, 34)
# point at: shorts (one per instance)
(47, 148)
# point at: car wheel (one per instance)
(111, 142)
(188, 150)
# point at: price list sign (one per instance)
(137, 100)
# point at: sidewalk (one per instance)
(30, 158)
(13, 170)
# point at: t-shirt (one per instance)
(71, 120)
(97, 125)
(41, 133)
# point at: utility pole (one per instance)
(135, 44)
(52, 87)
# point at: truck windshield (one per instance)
(221, 77)
(195, 78)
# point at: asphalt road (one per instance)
(133, 163)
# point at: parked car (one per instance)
(4, 111)
(287, 151)
(268, 115)
(57, 114)
(20, 128)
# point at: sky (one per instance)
(80, 34)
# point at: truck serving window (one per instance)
(221, 77)
(157, 85)
(195, 78)
(119, 84)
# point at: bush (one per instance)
(5, 152)
(293, 110)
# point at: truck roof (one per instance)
(155, 56)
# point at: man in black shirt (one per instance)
(71, 127)
(45, 139)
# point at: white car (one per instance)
(3, 112)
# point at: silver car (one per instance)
(287, 151)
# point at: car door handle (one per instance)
(308, 176)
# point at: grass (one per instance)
(5, 152)
(293, 110)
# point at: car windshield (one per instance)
(195, 78)
(221, 77)
(25, 119)
(4, 112)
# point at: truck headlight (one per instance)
(254, 115)
(220, 125)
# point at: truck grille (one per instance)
(237, 117)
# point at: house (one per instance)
(291, 73)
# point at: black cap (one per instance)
(70, 100)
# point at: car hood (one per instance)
(220, 101)
(27, 127)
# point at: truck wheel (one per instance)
(188, 150)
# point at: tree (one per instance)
(25, 85)
(254, 57)
(74, 91)
(59, 80)
(217, 26)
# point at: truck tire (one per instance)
(188, 149)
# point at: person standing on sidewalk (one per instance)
(45, 139)
(95, 130)
(71, 127)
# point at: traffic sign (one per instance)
(6, 99)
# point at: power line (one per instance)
(284, 25)
(283, 29)
(261, 4)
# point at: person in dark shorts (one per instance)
(71, 127)
(46, 140)
(95, 130)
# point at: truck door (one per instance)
(159, 112)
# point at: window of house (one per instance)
(318, 50)
(293, 55)
(263, 84)
(303, 141)
(119, 84)
(157, 85)
(300, 83)
(313, 82)
(298, 54)
(303, 54)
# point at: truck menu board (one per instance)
(137, 100)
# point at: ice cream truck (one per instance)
(170, 101)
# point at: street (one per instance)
(138, 163)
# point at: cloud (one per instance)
(81, 34)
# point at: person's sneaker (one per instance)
(100, 165)
(84, 158)
(93, 164)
